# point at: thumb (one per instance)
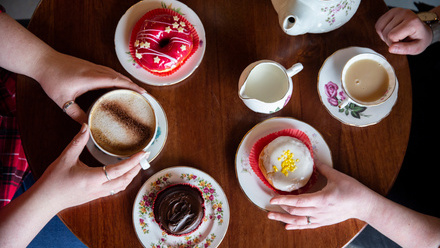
(76, 146)
(405, 48)
(75, 112)
(325, 170)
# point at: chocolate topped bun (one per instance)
(179, 209)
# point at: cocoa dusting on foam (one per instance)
(137, 129)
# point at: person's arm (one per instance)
(62, 77)
(404, 32)
(344, 198)
(406, 227)
(67, 182)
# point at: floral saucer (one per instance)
(214, 226)
(252, 186)
(156, 146)
(123, 33)
(330, 92)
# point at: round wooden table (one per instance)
(206, 118)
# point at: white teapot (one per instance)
(298, 17)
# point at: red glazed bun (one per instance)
(162, 40)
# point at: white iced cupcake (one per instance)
(286, 163)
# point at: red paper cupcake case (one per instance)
(203, 206)
(151, 14)
(258, 147)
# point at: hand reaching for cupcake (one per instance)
(335, 203)
(62, 77)
(345, 198)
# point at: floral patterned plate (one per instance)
(123, 33)
(253, 187)
(214, 226)
(330, 92)
(155, 148)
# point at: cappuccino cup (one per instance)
(368, 79)
(122, 123)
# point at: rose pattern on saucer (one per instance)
(333, 10)
(210, 196)
(331, 90)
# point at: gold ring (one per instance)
(67, 104)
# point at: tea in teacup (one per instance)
(368, 79)
(122, 123)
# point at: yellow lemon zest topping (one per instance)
(287, 162)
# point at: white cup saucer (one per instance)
(330, 92)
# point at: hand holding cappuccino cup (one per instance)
(122, 123)
(368, 79)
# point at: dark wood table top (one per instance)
(206, 118)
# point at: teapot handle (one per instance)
(294, 69)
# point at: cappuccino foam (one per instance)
(122, 122)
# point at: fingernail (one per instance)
(271, 216)
(84, 128)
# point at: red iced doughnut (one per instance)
(162, 40)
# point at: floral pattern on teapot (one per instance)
(333, 10)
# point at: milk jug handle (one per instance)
(294, 69)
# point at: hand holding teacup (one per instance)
(64, 78)
(123, 123)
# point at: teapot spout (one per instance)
(288, 23)
(296, 17)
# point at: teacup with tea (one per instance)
(122, 123)
(368, 79)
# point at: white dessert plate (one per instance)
(155, 148)
(123, 34)
(215, 223)
(330, 90)
(252, 186)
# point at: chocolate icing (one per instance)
(179, 209)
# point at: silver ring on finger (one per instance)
(308, 220)
(112, 192)
(105, 172)
(67, 105)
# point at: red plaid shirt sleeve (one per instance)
(13, 163)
